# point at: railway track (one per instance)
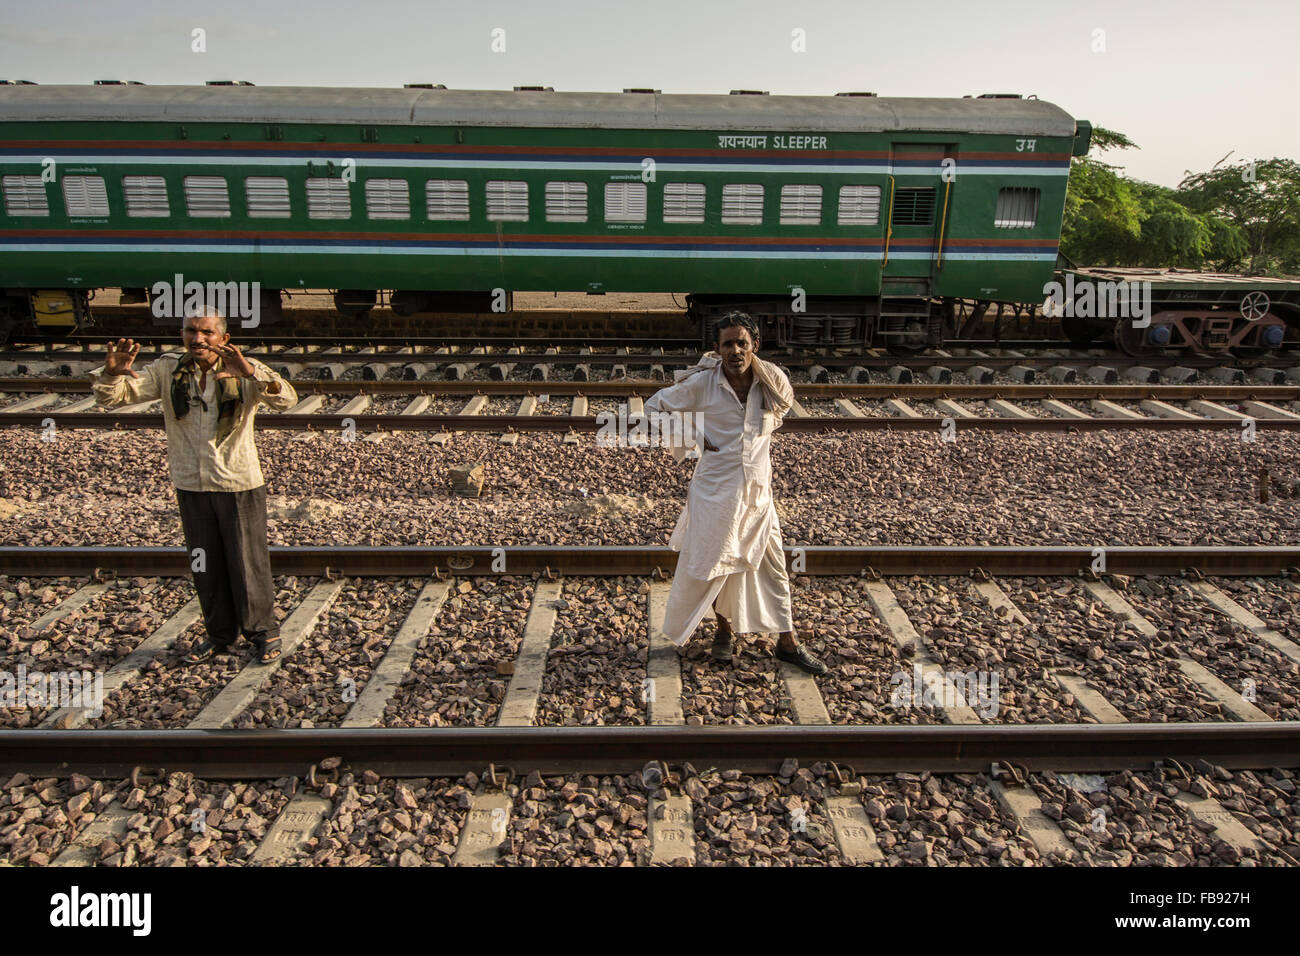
(878, 778)
(377, 407)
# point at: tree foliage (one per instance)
(1244, 217)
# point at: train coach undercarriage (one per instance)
(1248, 325)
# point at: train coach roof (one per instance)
(422, 107)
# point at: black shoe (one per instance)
(802, 658)
(722, 646)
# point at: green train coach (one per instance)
(850, 220)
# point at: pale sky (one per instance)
(1189, 81)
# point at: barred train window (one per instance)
(625, 202)
(507, 200)
(684, 202)
(267, 197)
(859, 206)
(566, 202)
(447, 200)
(742, 204)
(801, 205)
(25, 196)
(85, 196)
(388, 199)
(145, 196)
(914, 206)
(1017, 208)
(328, 199)
(207, 197)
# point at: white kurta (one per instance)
(728, 534)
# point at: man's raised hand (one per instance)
(236, 366)
(120, 356)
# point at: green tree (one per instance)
(1261, 200)
(1101, 211)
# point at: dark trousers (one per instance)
(233, 573)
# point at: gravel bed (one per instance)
(1134, 674)
(887, 487)
(927, 820)
(1272, 600)
(318, 683)
(1043, 411)
(1227, 649)
(748, 689)
(577, 820)
(834, 615)
(177, 821)
(1132, 819)
(233, 818)
(95, 636)
(874, 408)
(389, 405)
(454, 680)
(744, 820)
(23, 600)
(554, 404)
(598, 404)
(170, 693)
(387, 822)
(449, 405)
(501, 406)
(597, 662)
(38, 818)
(966, 636)
(820, 408)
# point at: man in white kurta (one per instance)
(728, 535)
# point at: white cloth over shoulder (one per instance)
(729, 514)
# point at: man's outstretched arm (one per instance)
(117, 383)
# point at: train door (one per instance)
(920, 185)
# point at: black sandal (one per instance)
(201, 653)
(270, 650)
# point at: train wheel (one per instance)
(355, 303)
(1132, 341)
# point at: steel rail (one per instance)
(568, 423)
(449, 751)
(919, 391)
(498, 560)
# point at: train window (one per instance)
(914, 206)
(625, 202)
(145, 196)
(447, 199)
(507, 200)
(801, 205)
(388, 199)
(25, 196)
(1017, 208)
(328, 199)
(207, 197)
(85, 196)
(267, 197)
(566, 202)
(742, 204)
(683, 202)
(859, 205)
